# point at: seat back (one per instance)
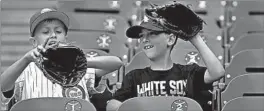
(248, 41)
(53, 104)
(139, 61)
(244, 85)
(160, 103)
(178, 55)
(248, 18)
(247, 61)
(245, 104)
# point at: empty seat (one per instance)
(98, 40)
(160, 103)
(248, 8)
(182, 48)
(246, 61)
(248, 41)
(245, 25)
(245, 104)
(244, 85)
(248, 17)
(139, 61)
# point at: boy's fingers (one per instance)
(40, 48)
(33, 55)
(46, 42)
(36, 53)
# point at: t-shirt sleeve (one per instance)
(126, 90)
(196, 74)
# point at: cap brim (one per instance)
(134, 31)
(50, 15)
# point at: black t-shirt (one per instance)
(180, 80)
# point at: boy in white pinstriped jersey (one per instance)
(28, 81)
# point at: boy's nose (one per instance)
(53, 36)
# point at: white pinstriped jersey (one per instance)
(33, 84)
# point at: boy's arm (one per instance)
(104, 64)
(215, 69)
(11, 74)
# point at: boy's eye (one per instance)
(140, 35)
(58, 31)
(45, 32)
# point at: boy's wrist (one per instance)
(196, 39)
(27, 58)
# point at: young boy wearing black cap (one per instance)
(163, 77)
(28, 81)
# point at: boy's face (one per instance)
(53, 29)
(153, 43)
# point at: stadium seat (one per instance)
(245, 104)
(244, 85)
(248, 8)
(178, 55)
(139, 61)
(248, 41)
(245, 25)
(182, 48)
(246, 61)
(92, 40)
(160, 103)
(247, 17)
(186, 56)
(53, 104)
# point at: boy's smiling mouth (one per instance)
(148, 47)
(52, 42)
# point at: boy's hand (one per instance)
(35, 53)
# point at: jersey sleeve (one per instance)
(196, 74)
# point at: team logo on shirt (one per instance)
(179, 105)
(163, 88)
(74, 92)
(73, 105)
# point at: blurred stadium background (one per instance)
(234, 32)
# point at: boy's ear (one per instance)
(33, 41)
(171, 39)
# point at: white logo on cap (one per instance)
(45, 10)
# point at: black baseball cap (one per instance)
(47, 13)
(134, 31)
